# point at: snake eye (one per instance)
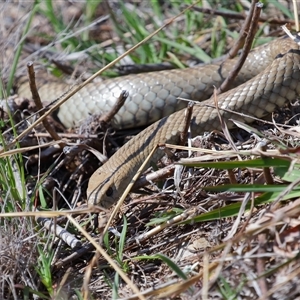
(109, 192)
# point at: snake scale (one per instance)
(264, 83)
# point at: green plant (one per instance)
(228, 292)
(119, 241)
(12, 73)
(43, 268)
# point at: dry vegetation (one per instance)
(176, 240)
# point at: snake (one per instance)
(268, 79)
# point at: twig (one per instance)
(88, 274)
(172, 222)
(239, 16)
(75, 255)
(185, 136)
(288, 32)
(261, 266)
(154, 176)
(223, 123)
(43, 155)
(243, 34)
(60, 232)
(266, 170)
(187, 123)
(296, 15)
(106, 118)
(66, 135)
(250, 36)
(37, 100)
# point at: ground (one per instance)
(228, 229)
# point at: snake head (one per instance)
(102, 189)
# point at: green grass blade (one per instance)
(263, 162)
(191, 49)
(122, 239)
(115, 288)
(240, 188)
(167, 261)
(232, 210)
(288, 174)
(20, 47)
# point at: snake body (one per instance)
(153, 96)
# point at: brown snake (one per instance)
(274, 82)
